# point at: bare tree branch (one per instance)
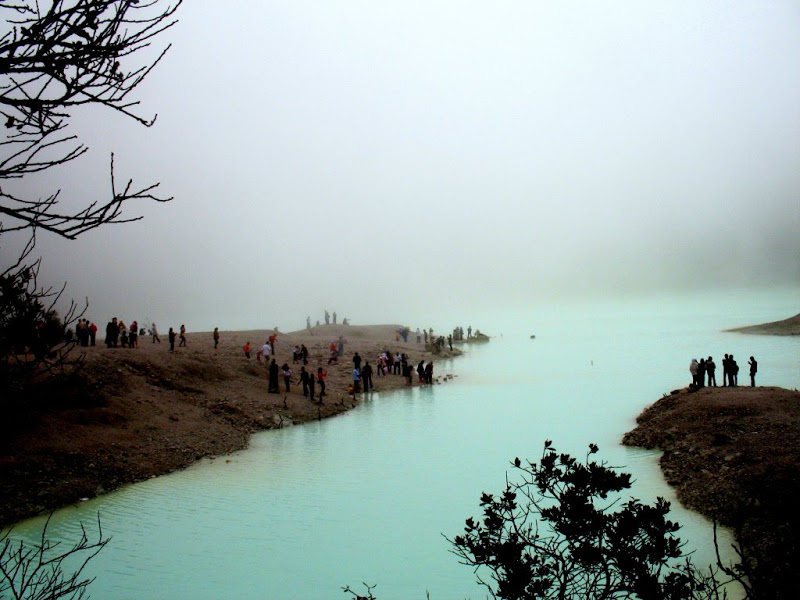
(74, 53)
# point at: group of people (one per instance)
(127, 336)
(458, 333)
(704, 372)
(120, 335)
(85, 332)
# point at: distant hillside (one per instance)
(789, 326)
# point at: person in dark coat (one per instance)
(366, 377)
(733, 371)
(726, 371)
(710, 368)
(311, 386)
(273, 386)
(304, 381)
(753, 370)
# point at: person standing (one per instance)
(183, 335)
(753, 370)
(92, 333)
(154, 333)
(693, 367)
(266, 350)
(701, 373)
(110, 334)
(357, 361)
(321, 375)
(356, 380)
(429, 372)
(133, 337)
(710, 368)
(327, 317)
(287, 375)
(246, 349)
(334, 317)
(216, 337)
(726, 371)
(366, 377)
(311, 384)
(421, 371)
(304, 381)
(171, 336)
(273, 338)
(733, 374)
(341, 341)
(272, 386)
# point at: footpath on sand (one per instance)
(135, 413)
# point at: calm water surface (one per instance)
(368, 495)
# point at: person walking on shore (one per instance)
(154, 333)
(753, 370)
(246, 349)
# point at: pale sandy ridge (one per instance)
(790, 326)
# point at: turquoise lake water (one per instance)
(366, 497)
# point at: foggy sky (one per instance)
(396, 160)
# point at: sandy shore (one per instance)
(137, 413)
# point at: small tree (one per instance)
(558, 533)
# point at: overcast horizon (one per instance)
(383, 159)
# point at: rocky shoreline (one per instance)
(130, 414)
(733, 454)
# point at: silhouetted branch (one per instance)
(76, 53)
(47, 570)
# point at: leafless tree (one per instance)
(47, 570)
(55, 56)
